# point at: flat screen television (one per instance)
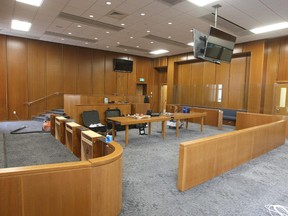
(216, 47)
(122, 65)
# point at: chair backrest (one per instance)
(90, 117)
(112, 113)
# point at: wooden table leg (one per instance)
(202, 123)
(186, 123)
(149, 128)
(163, 129)
(177, 127)
(126, 135)
(113, 130)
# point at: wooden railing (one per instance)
(43, 98)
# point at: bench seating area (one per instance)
(206, 158)
(90, 187)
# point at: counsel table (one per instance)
(186, 116)
(131, 121)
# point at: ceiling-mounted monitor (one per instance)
(216, 47)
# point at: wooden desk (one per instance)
(186, 116)
(73, 137)
(60, 128)
(131, 121)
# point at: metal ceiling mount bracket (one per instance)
(216, 13)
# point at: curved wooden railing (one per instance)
(29, 103)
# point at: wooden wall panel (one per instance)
(84, 74)
(3, 79)
(272, 68)
(184, 84)
(209, 87)
(70, 69)
(110, 78)
(255, 75)
(237, 83)
(197, 84)
(36, 76)
(283, 60)
(17, 77)
(122, 83)
(98, 74)
(55, 76)
(131, 79)
(222, 78)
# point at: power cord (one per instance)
(277, 210)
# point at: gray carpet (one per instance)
(150, 167)
(31, 148)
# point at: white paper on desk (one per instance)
(95, 125)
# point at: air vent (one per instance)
(225, 24)
(171, 2)
(166, 41)
(86, 21)
(116, 15)
(55, 34)
(134, 48)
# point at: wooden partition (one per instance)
(89, 188)
(203, 159)
(246, 120)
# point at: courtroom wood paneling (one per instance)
(3, 79)
(10, 197)
(55, 76)
(122, 83)
(208, 86)
(131, 80)
(272, 68)
(107, 200)
(196, 92)
(237, 83)
(184, 75)
(71, 193)
(110, 78)
(255, 75)
(283, 60)
(36, 76)
(84, 74)
(17, 66)
(70, 69)
(222, 78)
(98, 74)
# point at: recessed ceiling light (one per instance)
(107, 32)
(131, 37)
(107, 47)
(169, 37)
(62, 39)
(20, 25)
(191, 44)
(79, 26)
(157, 52)
(269, 28)
(125, 49)
(122, 24)
(118, 42)
(96, 38)
(148, 31)
(169, 23)
(152, 42)
(137, 46)
(69, 33)
(202, 3)
(91, 16)
(143, 14)
(86, 42)
(36, 3)
(108, 3)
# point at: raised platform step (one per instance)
(42, 116)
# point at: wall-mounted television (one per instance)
(216, 47)
(122, 65)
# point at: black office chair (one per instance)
(113, 113)
(91, 120)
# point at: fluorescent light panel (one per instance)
(202, 3)
(269, 28)
(20, 25)
(191, 44)
(36, 3)
(157, 52)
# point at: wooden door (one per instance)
(280, 99)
